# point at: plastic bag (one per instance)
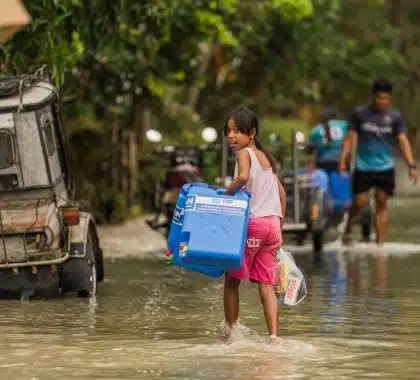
(290, 284)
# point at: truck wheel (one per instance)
(99, 257)
(318, 243)
(100, 265)
(92, 284)
(300, 239)
(93, 289)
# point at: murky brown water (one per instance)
(361, 320)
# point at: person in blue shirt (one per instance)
(325, 141)
(373, 132)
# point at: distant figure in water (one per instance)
(375, 129)
(255, 171)
(325, 141)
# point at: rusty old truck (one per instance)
(46, 240)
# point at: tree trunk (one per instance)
(205, 59)
(114, 161)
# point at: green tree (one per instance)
(186, 63)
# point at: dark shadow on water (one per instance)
(33, 295)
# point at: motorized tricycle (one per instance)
(317, 201)
(183, 166)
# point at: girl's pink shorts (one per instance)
(259, 262)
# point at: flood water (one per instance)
(151, 320)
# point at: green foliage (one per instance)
(114, 59)
(344, 57)
(113, 206)
(47, 40)
(283, 128)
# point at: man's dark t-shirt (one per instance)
(377, 132)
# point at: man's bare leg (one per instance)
(359, 201)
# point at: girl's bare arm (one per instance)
(244, 166)
(283, 197)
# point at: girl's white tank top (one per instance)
(262, 184)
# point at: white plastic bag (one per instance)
(290, 284)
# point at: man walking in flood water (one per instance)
(374, 129)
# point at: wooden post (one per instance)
(114, 154)
(132, 167)
(124, 183)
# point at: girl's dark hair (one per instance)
(246, 120)
(327, 115)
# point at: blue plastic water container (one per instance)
(174, 237)
(320, 178)
(340, 190)
(214, 229)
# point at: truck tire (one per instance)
(318, 243)
(92, 285)
(80, 274)
(100, 265)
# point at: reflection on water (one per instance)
(152, 320)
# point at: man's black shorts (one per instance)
(363, 181)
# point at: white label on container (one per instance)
(216, 205)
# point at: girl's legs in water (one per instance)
(231, 300)
(270, 306)
(268, 301)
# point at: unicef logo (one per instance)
(178, 216)
(190, 202)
